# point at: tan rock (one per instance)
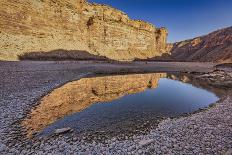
(31, 26)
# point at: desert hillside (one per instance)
(214, 47)
(75, 25)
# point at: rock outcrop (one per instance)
(48, 25)
(214, 47)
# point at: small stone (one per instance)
(140, 151)
(229, 152)
(187, 147)
(114, 139)
(175, 146)
(219, 125)
(2, 147)
(143, 143)
(62, 130)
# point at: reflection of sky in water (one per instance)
(170, 98)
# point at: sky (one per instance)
(184, 19)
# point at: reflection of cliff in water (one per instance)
(79, 95)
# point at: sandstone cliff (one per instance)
(214, 47)
(48, 25)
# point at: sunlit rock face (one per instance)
(214, 47)
(47, 25)
(79, 95)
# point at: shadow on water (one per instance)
(119, 105)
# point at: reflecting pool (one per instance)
(117, 104)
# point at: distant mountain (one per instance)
(214, 47)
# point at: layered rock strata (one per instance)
(47, 25)
(213, 47)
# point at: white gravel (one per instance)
(206, 132)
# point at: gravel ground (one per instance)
(23, 83)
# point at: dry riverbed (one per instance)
(22, 84)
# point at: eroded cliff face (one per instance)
(46, 25)
(213, 47)
(79, 95)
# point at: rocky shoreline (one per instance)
(22, 84)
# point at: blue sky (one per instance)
(184, 19)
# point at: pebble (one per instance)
(143, 143)
(2, 147)
(229, 152)
(63, 130)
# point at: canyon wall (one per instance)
(47, 25)
(213, 47)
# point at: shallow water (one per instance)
(117, 104)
